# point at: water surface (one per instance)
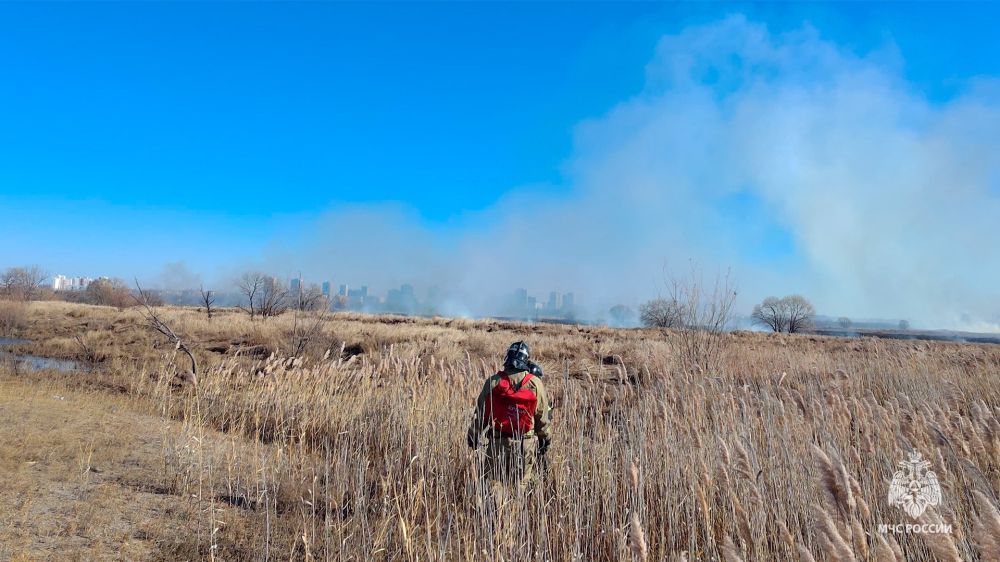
(35, 362)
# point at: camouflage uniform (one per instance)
(513, 459)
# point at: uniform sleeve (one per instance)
(543, 412)
(477, 423)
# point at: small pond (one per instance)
(34, 362)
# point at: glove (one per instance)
(472, 438)
(543, 445)
(535, 369)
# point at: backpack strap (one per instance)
(527, 377)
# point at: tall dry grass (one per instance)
(13, 317)
(783, 451)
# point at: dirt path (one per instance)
(84, 478)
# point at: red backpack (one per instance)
(511, 411)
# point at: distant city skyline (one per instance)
(520, 305)
(404, 298)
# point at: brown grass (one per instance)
(355, 449)
(13, 317)
(78, 483)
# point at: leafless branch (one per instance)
(162, 327)
(301, 340)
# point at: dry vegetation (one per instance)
(752, 447)
(13, 317)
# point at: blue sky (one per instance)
(135, 134)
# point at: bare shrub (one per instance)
(660, 313)
(310, 298)
(272, 298)
(703, 311)
(306, 327)
(109, 292)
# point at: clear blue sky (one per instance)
(132, 134)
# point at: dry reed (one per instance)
(783, 451)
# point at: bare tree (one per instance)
(22, 283)
(34, 277)
(660, 313)
(800, 313)
(9, 281)
(904, 325)
(250, 284)
(771, 313)
(208, 300)
(788, 314)
(265, 295)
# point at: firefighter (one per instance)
(513, 414)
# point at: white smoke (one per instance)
(888, 202)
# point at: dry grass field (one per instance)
(342, 438)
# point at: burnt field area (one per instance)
(922, 335)
(341, 437)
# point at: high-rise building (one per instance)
(63, 283)
(520, 298)
(357, 298)
(343, 290)
(567, 301)
(326, 289)
(402, 299)
(296, 284)
(555, 302)
(393, 300)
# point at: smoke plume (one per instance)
(801, 166)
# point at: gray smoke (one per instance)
(800, 165)
(175, 276)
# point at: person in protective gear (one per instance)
(513, 414)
